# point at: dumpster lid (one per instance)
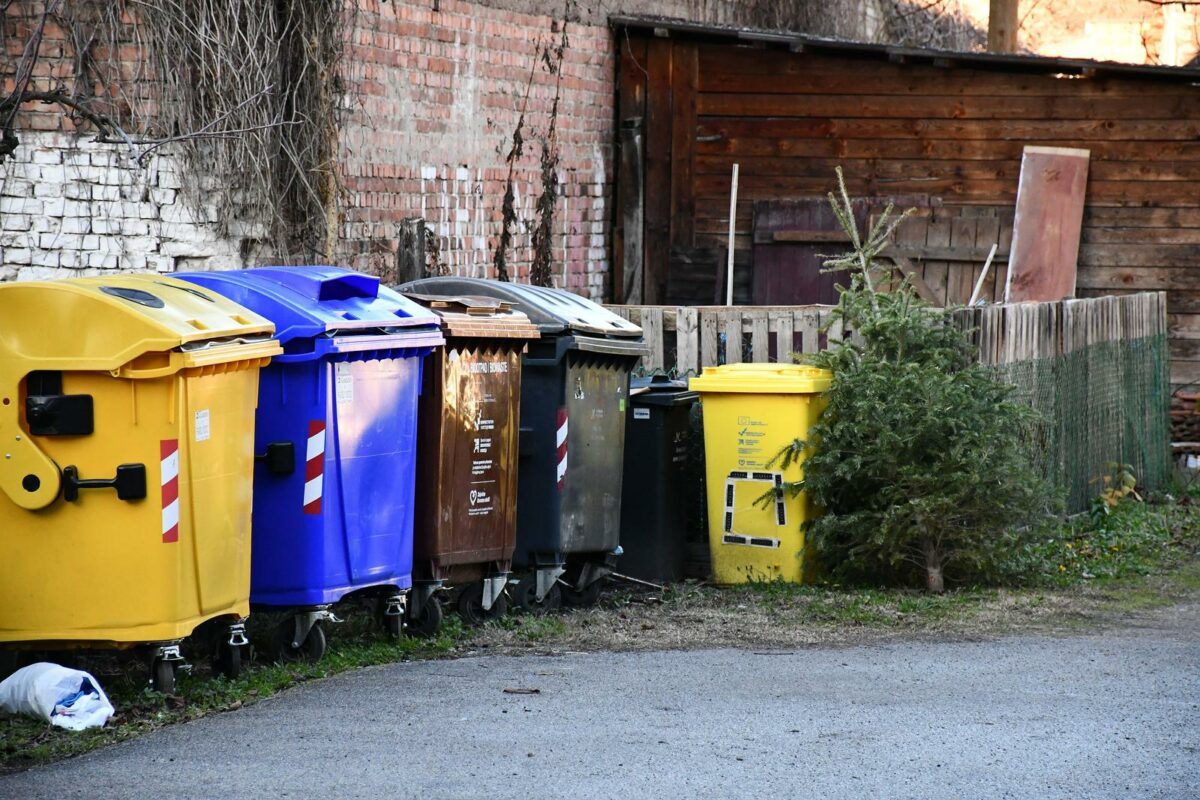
(552, 310)
(480, 317)
(106, 321)
(762, 379)
(307, 302)
(659, 390)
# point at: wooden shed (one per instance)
(941, 132)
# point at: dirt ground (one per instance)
(697, 616)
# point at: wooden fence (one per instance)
(684, 339)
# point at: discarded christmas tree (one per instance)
(920, 459)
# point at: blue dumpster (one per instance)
(335, 443)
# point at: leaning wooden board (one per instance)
(1048, 222)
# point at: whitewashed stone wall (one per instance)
(70, 206)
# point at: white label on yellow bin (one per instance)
(343, 382)
(202, 425)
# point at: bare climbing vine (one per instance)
(540, 271)
(248, 94)
(915, 23)
(508, 211)
(938, 24)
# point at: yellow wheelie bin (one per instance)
(126, 463)
(751, 412)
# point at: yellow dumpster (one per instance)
(751, 412)
(126, 460)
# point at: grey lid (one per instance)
(552, 310)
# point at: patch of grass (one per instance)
(536, 629)
(836, 605)
(1131, 595)
(1133, 539)
(533, 628)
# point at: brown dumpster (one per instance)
(469, 423)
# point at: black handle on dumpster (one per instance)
(130, 482)
(280, 458)
(524, 442)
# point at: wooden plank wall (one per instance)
(954, 134)
(967, 233)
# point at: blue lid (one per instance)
(308, 302)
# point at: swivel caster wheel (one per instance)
(311, 649)
(525, 595)
(162, 676)
(227, 660)
(470, 606)
(426, 622)
(573, 598)
(393, 625)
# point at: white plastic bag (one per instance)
(64, 697)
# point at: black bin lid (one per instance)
(659, 390)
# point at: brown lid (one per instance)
(481, 317)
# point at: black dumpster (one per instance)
(574, 394)
(655, 496)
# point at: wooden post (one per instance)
(1002, 26)
(656, 243)
(732, 219)
(652, 332)
(687, 347)
(632, 186)
(982, 277)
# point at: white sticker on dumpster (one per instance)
(343, 382)
(202, 425)
(641, 413)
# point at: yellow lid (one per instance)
(105, 322)
(762, 379)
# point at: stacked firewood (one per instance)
(1185, 417)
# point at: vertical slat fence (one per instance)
(1095, 369)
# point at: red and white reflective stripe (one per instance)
(562, 446)
(314, 467)
(168, 452)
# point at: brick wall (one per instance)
(70, 205)
(438, 100)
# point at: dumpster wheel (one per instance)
(162, 675)
(391, 612)
(428, 620)
(393, 624)
(470, 606)
(311, 649)
(576, 598)
(525, 595)
(227, 660)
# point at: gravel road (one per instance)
(1106, 715)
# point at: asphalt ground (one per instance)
(1105, 715)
